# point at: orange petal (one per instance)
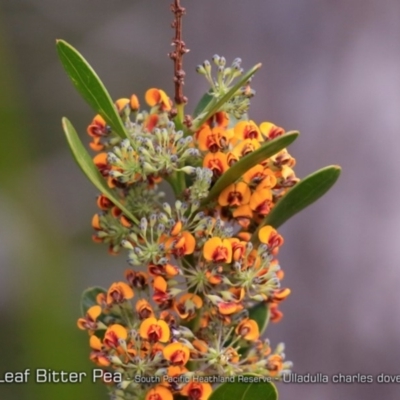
(177, 353)
(134, 103)
(95, 342)
(160, 392)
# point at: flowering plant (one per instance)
(205, 279)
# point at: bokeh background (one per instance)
(331, 70)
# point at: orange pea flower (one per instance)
(113, 334)
(261, 176)
(197, 390)
(118, 293)
(144, 309)
(238, 248)
(136, 279)
(280, 294)
(245, 147)
(243, 215)
(269, 236)
(213, 139)
(187, 305)
(229, 307)
(134, 103)
(248, 329)
(236, 194)
(157, 97)
(159, 392)
(177, 353)
(275, 364)
(160, 286)
(261, 201)
(122, 104)
(98, 356)
(270, 130)
(217, 162)
(103, 202)
(182, 244)
(276, 315)
(169, 270)
(98, 127)
(154, 330)
(89, 321)
(247, 130)
(218, 250)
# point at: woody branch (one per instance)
(177, 54)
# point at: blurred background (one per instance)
(331, 69)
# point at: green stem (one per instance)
(177, 183)
(180, 108)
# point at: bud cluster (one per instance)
(239, 104)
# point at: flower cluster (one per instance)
(201, 266)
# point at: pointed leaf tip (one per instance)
(89, 85)
(301, 195)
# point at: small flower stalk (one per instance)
(203, 277)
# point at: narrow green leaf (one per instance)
(267, 150)
(88, 167)
(90, 86)
(214, 105)
(88, 298)
(240, 390)
(301, 195)
(202, 104)
(260, 313)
